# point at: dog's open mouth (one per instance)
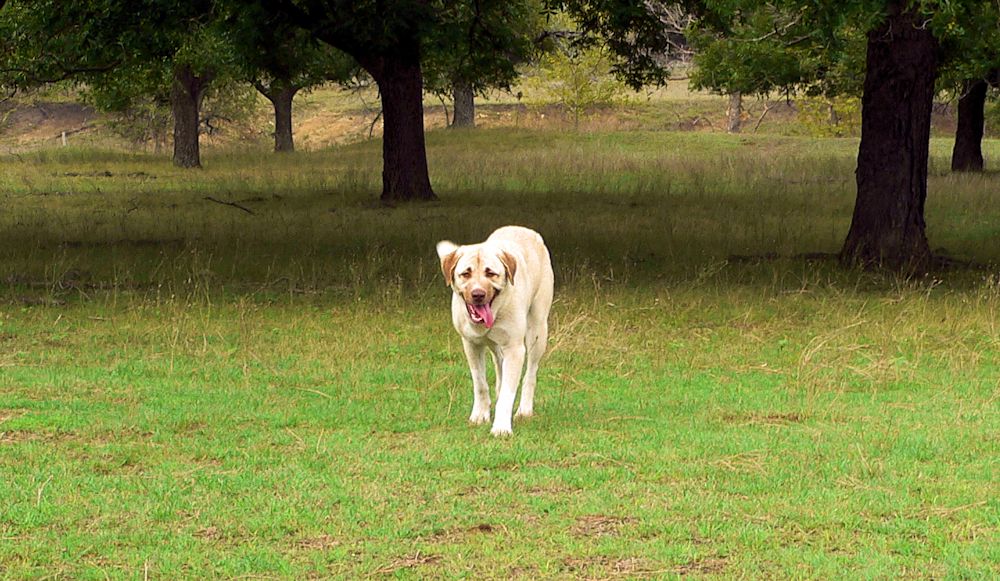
(481, 314)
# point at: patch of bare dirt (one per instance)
(745, 462)
(327, 128)
(318, 543)
(704, 566)
(552, 490)
(597, 525)
(459, 534)
(208, 533)
(43, 123)
(764, 418)
(609, 568)
(9, 413)
(19, 436)
(408, 562)
(523, 572)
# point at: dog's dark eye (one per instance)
(466, 274)
(491, 274)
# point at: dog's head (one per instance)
(478, 273)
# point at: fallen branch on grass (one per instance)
(233, 204)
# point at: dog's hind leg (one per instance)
(476, 354)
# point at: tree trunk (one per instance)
(888, 225)
(404, 155)
(465, 106)
(185, 103)
(281, 94)
(832, 114)
(968, 152)
(734, 115)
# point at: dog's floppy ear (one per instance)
(509, 264)
(448, 253)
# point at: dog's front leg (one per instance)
(476, 354)
(513, 361)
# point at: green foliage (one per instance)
(830, 116)
(818, 47)
(207, 49)
(121, 51)
(138, 85)
(276, 55)
(228, 102)
(41, 41)
(480, 44)
(970, 37)
(143, 121)
(631, 30)
(728, 65)
(992, 113)
(968, 33)
(578, 79)
(762, 48)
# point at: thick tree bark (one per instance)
(888, 226)
(465, 106)
(185, 103)
(404, 155)
(281, 95)
(968, 152)
(734, 114)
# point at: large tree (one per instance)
(182, 43)
(464, 62)
(971, 65)
(967, 154)
(888, 225)
(102, 42)
(390, 39)
(907, 44)
(281, 60)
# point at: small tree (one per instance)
(578, 79)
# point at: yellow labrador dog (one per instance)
(502, 295)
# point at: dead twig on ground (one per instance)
(233, 204)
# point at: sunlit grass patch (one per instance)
(189, 389)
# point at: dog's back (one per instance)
(535, 258)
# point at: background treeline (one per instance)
(895, 56)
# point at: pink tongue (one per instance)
(485, 313)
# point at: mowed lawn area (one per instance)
(249, 370)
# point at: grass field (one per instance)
(192, 389)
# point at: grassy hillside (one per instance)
(249, 370)
(330, 115)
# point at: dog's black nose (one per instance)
(478, 295)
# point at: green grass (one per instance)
(188, 390)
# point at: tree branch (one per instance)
(233, 204)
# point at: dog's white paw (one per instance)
(501, 431)
(523, 413)
(479, 417)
